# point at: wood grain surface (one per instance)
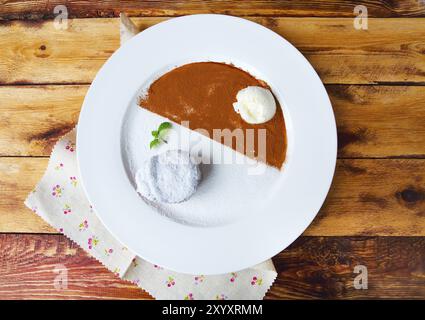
(322, 268)
(390, 51)
(42, 9)
(368, 197)
(373, 121)
(27, 264)
(312, 268)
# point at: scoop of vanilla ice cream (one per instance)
(255, 104)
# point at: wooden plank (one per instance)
(373, 121)
(18, 177)
(311, 268)
(42, 9)
(368, 197)
(374, 197)
(379, 121)
(390, 51)
(27, 271)
(33, 118)
(323, 268)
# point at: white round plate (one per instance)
(306, 176)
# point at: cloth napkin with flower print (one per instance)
(60, 200)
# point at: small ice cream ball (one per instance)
(169, 177)
(255, 104)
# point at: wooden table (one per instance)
(375, 212)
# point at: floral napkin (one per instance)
(60, 200)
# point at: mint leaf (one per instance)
(158, 134)
(154, 143)
(164, 126)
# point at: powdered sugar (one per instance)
(227, 193)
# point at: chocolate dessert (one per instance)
(203, 94)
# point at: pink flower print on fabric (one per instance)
(170, 282)
(108, 252)
(117, 272)
(221, 297)
(92, 242)
(199, 279)
(189, 296)
(59, 166)
(158, 267)
(70, 146)
(73, 181)
(233, 277)
(66, 209)
(256, 281)
(57, 191)
(83, 225)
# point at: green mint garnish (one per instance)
(154, 143)
(163, 126)
(159, 134)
